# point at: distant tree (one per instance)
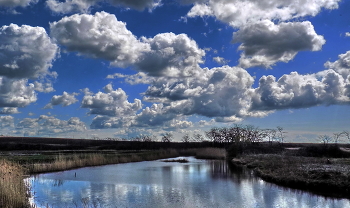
(186, 138)
(147, 138)
(325, 139)
(346, 134)
(198, 137)
(280, 134)
(214, 134)
(167, 137)
(337, 137)
(269, 134)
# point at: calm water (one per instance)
(199, 183)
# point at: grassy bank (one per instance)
(325, 176)
(13, 190)
(14, 166)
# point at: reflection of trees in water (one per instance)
(225, 169)
(57, 182)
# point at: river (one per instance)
(198, 183)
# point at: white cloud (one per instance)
(16, 92)
(238, 13)
(301, 91)
(178, 124)
(220, 60)
(98, 36)
(6, 121)
(17, 3)
(43, 86)
(156, 115)
(217, 92)
(106, 122)
(65, 99)
(264, 43)
(347, 34)
(342, 65)
(9, 110)
(26, 52)
(111, 103)
(70, 6)
(103, 36)
(51, 125)
(170, 55)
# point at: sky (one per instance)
(121, 68)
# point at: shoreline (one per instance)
(322, 176)
(14, 193)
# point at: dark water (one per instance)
(199, 183)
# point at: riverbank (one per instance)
(325, 176)
(16, 165)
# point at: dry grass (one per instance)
(330, 177)
(204, 153)
(67, 162)
(13, 190)
(211, 153)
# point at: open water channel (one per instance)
(198, 183)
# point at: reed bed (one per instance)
(67, 162)
(205, 153)
(13, 190)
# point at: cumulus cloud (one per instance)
(8, 110)
(327, 87)
(6, 121)
(226, 94)
(103, 36)
(156, 115)
(65, 99)
(106, 122)
(170, 55)
(238, 13)
(220, 60)
(16, 92)
(347, 34)
(25, 52)
(17, 3)
(110, 103)
(51, 125)
(98, 36)
(264, 43)
(217, 92)
(69, 6)
(342, 65)
(178, 124)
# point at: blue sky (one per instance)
(118, 68)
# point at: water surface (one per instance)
(199, 183)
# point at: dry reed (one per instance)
(13, 189)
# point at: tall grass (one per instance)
(67, 162)
(13, 190)
(204, 153)
(324, 176)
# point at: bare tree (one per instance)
(167, 137)
(337, 137)
(280, 134)
(186, 138)
(214, 135)
(198, 137)
(269, 134)
(346, 134)
(325, 139)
